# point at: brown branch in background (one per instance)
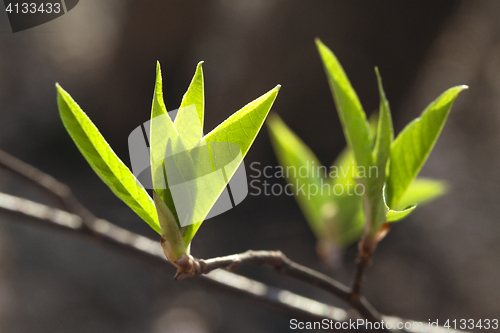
(84, 223)
(144, 248)
(59, 191)
(127, 242)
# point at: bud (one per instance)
(172, 243)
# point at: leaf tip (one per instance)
(61, 93)
(158, 68)
(322, 48)
(59, 88)
(199, 68)
(453, 92)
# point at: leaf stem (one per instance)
(366, 247)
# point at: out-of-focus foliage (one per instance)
(384, 166)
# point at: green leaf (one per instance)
(373, 122)
(237, 131)
(385, 131)
(397, 215)
(190, 117)
(348, 223)
(422, 190)
(242, 127)
(394, 215)
(181, 176)
(352, 116)
(172, 242)
(349, 220)
(384, 138)
(175, 175)
(336, 219)
(103, 160)
(162, 131)
(294, 156)
(414, 144)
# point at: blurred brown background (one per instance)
(440, 263)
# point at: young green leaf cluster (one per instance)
(179, 143)
(389, 194)
(392, 191)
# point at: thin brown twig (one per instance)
(46, 182)
(112, 236)
(285, 266)
(85, 223)
(274, 258)
(128, 243)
